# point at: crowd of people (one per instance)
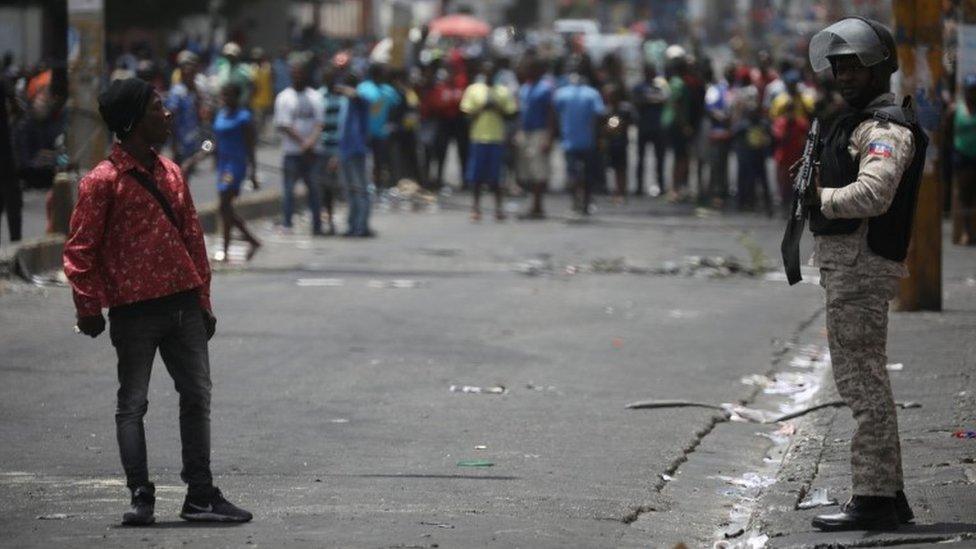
(679, 126)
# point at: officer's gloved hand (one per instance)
(209, 323)
(812, 197)
(91, 325)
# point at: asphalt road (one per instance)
(333, 415)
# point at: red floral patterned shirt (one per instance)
(122, 248)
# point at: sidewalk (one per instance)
(937, 353)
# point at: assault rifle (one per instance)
(803, 185)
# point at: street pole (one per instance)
(918, 31)
(87, 137)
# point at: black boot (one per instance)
(143, 507)
(905, 514)
(861, 513)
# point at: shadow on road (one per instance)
(450, 477)
(172, 524)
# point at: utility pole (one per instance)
(87, 137)
(918, 31)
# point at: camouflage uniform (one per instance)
(859, 284)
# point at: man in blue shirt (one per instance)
(579, 108)
(187, 101)
(382, 97)
(352, 150)
(534, 138)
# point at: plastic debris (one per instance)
(667, 478)
(481, 447)
(756, 380)
(964, 433)
(339, 420)
(54, 516)
(748, 481)
(617, 343)
(475, 463)
(757, 541)
(474, 390)
(743, 414)
(895, 367)
(320, 282)
(811, 357)
(817, 498)
(680, 314)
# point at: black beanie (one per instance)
(123, 104)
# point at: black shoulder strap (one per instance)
(150, 186)
(903, 115)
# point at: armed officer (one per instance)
(861, 215)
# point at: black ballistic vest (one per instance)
(889, 233)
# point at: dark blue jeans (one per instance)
(356, 184)
(181, 338)
(308, 168)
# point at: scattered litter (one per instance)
(542, 388)
(320, 282)
(474, 390)
(811, 357)
(443, 525)
(408, 194)
(895, 367)
(481, 447)
(748, 481)
(678, 313)
(970, 475)
(970, 281)
(400, 284)
(800, 387)
(817, 498)
(787, 429)
(667, 478)
(964, 433)
(339, 420)
(743, 414)
(617, 343)
(757, 541)
(737, 412)
(756, 380)
(55, 516)
(535, 267)
(608, 310)
(56, 280)
(475, 463)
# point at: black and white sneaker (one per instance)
(212, 508)
(143, 507)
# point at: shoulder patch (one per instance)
(880, 148)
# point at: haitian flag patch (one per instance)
(880, 148)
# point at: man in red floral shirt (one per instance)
(136, 247)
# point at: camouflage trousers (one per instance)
(857, 332)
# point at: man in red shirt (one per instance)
(136, 247)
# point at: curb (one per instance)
(41, 255)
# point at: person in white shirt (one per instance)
(299, 115)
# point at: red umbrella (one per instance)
(460, 26)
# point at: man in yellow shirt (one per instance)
(486, 105)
